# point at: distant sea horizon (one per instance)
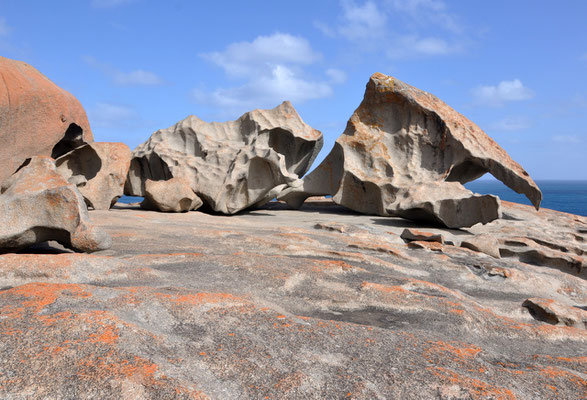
(560, 195)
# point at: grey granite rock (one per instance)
(406, 153)
(231, 165)
(37, 204)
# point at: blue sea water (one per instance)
(567, 196)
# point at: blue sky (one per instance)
(516, 68)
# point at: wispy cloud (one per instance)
(108, 115)
(567, 139)
(4, 28)
(511, 124)
(362, 21)
(110, 3)
(138, 77)
(399, 28)
(503, 92)
(271, 69)
(244, 58)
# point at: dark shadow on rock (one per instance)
(45, 248)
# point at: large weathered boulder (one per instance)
(98, 170)
(36, 117)
(173, 195)
(231, 165)
(406, 153)
(37, 204)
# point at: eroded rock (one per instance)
(554, 312)
(174, 195)
(37, 204)
(406, 153)
(231, 165)
(410, 235)
(37, 117)
(487, 244)
(98, 170)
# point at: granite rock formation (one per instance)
(173, 195)
(98, 170)
(232, 165)
(406, 153)
(318, 303)
(36, 117)
(37, 204)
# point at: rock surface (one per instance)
(231, 165)
(36, 117)
(173, 195)
(406, 153)
(37, 204)
(98, 170)
(317, 303)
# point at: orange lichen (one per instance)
(477, 389)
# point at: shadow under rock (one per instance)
(50, 247)
(398, 222)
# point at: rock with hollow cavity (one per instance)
(174, 195)
(406, 153)
(98, 170)
(36, 117)
(231, 165)
(37, 204)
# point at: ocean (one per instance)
(566, 196)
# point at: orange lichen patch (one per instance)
(295, 237)
(419, 244)
(375, 245)
(199, 298)
(455, 349)
(40, 295)
(476, 388)
(290, 382)
(384, 288)
(554, 373)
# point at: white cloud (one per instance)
(504, 91)
(511, 124)
(398, 28)
(271, 69)
(567, 139)
(361, 22)
(336, 75)
(136, 77)
(4, 28)
(245, 58)
(428, 12)
(110, 3)
(107, 115)
(266, 91)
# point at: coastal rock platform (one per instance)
(319, 303)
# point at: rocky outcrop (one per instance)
(36, 117)
(554, 312)
(37, 204)
(231, 165)
(321, 303)
(98, 170)
(406, 153)
(173, 195)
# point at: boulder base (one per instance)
(37, 204)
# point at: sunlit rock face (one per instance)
(98, 170)
(37, 204)
(231, 165)
(406, 153)
(37, 117)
